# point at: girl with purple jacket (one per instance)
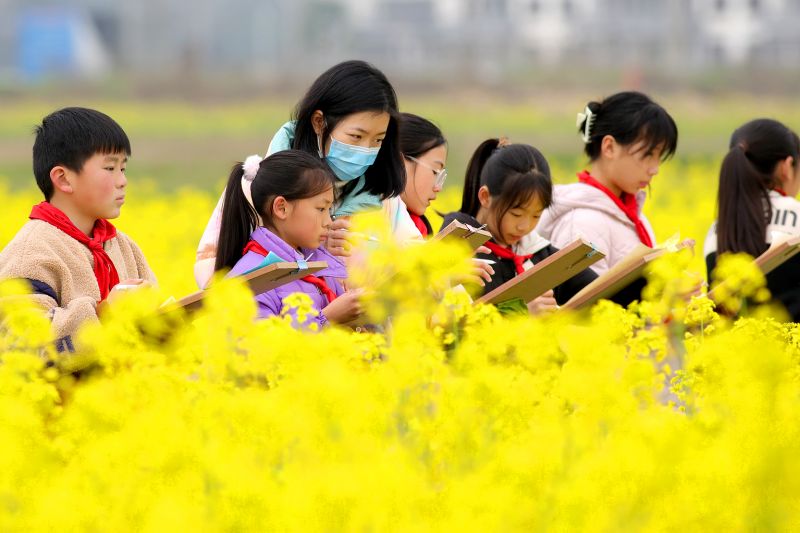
(293, 193)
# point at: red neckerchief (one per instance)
(506, 253)
(780, 191)
(419, 223)
(627, 204)
(319, 283)
(104, 270)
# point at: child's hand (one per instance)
(127, 285)
(482, 271)
(696, 288)
(119, 288)
(345, 308)
(337, 243)
(543, 304)
(688, 243)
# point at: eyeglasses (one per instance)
(441, 175)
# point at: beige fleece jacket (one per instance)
(580, 211)
(42, 253)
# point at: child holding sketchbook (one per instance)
(424, 149)
(507, 186)
(348, 119)
(626, 137)
(292, 196)
(758, 181)
(72, 256)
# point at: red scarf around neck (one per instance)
(506, 253)
(319, 283)
(419, 223)
(780, 191)
(627, 204)
(104, 270)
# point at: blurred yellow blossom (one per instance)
(450, 417)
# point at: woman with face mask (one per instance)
(349, 118)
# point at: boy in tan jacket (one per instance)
(68, 251)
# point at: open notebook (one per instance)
(260, 280)
(629, 269)
(781, 250)
(546, 274)
(474, 237)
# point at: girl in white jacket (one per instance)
(758, 182)
(626, 137)
(424, 150)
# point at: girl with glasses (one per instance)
(424, 150)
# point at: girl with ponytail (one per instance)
(507, 186)
(292, 196)
(348, 119)
(758, 181)
(626, 137)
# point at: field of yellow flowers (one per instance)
(664, 416)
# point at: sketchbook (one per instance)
(628, 270)
(259, 280)
(546, 274)
(474, 237)
(778, 253)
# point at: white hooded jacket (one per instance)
(580, 211)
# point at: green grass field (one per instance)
(177, 144)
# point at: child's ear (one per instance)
(786, 170)
(281, 209)
(318, 122)
(484, 197)
(60, 176)
(609, 147)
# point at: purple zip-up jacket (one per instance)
(270, 303)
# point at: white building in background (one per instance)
(270, 39)
(737, 31)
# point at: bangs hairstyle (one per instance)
(747, 175)
(345, 89)
(293, 174)
(418, 135)
(69, 137)
(514, 175)
(631, 117)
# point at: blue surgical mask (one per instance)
(349, 162)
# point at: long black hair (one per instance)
(344, 89)
(293, 174)
(746, 176)
(514, 174)
(629, 117)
